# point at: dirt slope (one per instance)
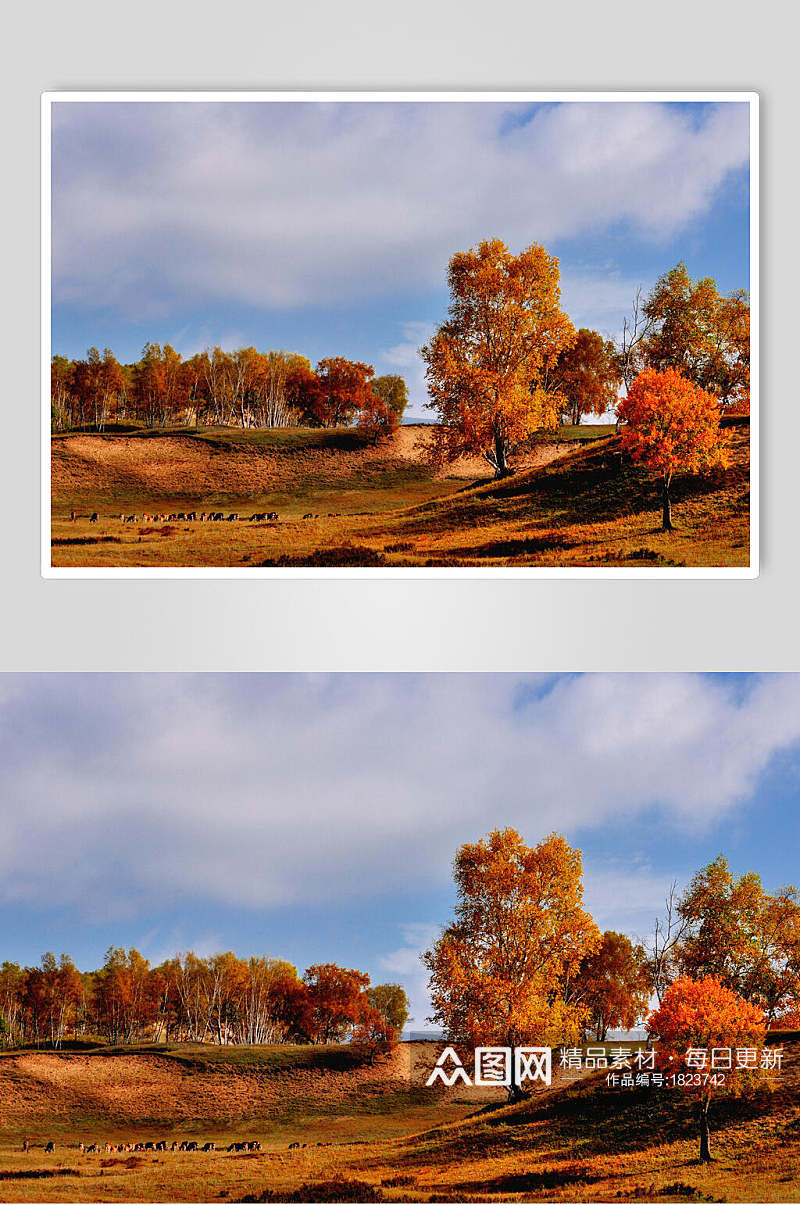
(183, 466)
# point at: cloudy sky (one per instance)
(315, 818)
(326, 228)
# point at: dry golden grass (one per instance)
(386, 507)
(575, 1142)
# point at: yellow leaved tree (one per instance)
(503, 972)
(487, 364)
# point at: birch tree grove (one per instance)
(221, 999)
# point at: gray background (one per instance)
(398, 624)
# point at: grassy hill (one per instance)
(366, 1133)
(575, 502)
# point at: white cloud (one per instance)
(133, 792)
(318, 204)
(405, 359)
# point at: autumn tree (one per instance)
(373, 1030)
(334, 996)
(341, 390)
(670, 426)
(12, 983)
(125, 999)
(746, 937)
(701, 333)
(585, 376)
(392, 391)
(377, 419)
(272, 1006)
(62, 396)
(614, 984)
(487, 363)
(703, 1015)
(501, 973)
(391, 1001)
(228, 982)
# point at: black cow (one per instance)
(50, 1148)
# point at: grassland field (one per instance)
(576, 500)
(375, 1132)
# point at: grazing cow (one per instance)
(94, 517)
(192, 1146)
(72, 516)
(254, 1146)
(94, 1149)
(308, 516)
(181, 514)
(191, 516)
(110, 1148)
(162, 1145)
(149, 1146)
(50, 1148)
(238, 1146)
(26, 1146)
(273, 516)
(293, 1146)
(232, 518)
(260, 516)
(210, 1146)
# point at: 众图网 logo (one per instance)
(494, 1066)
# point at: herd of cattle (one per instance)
(191, 516)
(114, 1148)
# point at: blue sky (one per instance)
(315, 817)
(327, 228)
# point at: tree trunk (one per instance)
(705, 1148)
(501, 466)
(666, 512)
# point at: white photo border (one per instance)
(49, 98)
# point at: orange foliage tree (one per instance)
(502, 972)
(671, 425)
(701, 1015)
(335, 998)
(373, 1030)
(748, 938)
(614, 984)
(486, 365)
(377, 419)
(586, 376)
(341, 390)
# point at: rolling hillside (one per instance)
(342, 502)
